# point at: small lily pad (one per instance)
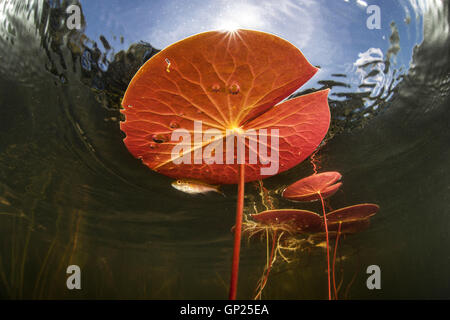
(296, 220)
(308, 189)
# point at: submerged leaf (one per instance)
(308, 189)
(353, 219)
(296, 220)
(229, 81)
(352, 213)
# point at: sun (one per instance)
(229, 26)
(239, 16)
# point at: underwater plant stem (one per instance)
(334, 259)
(269, 265)
(237, 234)
(328, 246)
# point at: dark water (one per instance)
(70, 193)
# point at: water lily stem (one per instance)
(269, 265)
(334, 260)
(328, 246)
(237, 234)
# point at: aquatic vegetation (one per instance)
(230, 82)
(308, 189)
(280, 223)
(221, 87)
(312, 188)
(285, 224)
(293, 220)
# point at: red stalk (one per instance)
(272, 251)
(328, 246)
(334, 259)
(237, 234)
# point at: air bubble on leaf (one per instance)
(215, 87)
(234, 88)
(159, 138)
(174, 125)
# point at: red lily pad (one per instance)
(297, 220)
(353, 219)
(353, 213)
(233, 81)
(307, 189)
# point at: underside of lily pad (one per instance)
(234, 83)
(352, 213)
(352, 219)
(308, 189)
(298, 221)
